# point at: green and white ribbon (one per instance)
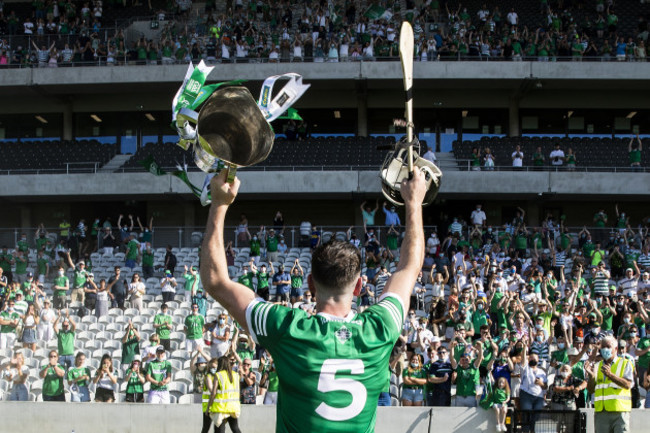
(183, 102)
(273, 107)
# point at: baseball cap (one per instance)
(30, 274)
(136, 358)
(201, 360)
(578, 340)
(435, 339)
(573, 351)
(460, 327)
(629, 270)
(160, 348)
(168, 272)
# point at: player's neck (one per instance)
(334, 307)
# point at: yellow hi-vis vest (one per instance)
(609, 396)
(227, 398)
(206, 393)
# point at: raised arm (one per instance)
(412, 252)
(214, 270)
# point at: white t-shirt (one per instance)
(512, 18)
(517, 159)
(478, 217)
(559, 154)
(528, 377)
(430, 155)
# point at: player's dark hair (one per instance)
(223, 364)
(335, 265)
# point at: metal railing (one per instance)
(466, 165)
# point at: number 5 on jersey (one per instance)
(327, 382)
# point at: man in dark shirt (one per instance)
(440, 376)
(118, 288)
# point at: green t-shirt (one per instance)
(521, 242)
(479, 318)
(147, 258)
(61, 282)
(8, 329)
(21, 265)
(194, 326)
(466, 381)
(561, 356)
(133, 385)
(608, 317)
(343, 369)
(247, 280)
(644, 360)
(262, 280)
(75, 372)
(41, 264)
(80, 279)
(420, 373)
(255, 247)
(296, 281)
(163, 332)
(159, 370)
(500, 396)
(392, 241)
(22, 246)
(132, 249)
(65, 342)
(635, 156)
(189, 281)
(53, 384)
(40, 243)
(129, 349)
(271, 244)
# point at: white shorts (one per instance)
(158, 397)
(7, 340)
(192, 345)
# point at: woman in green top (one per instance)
(52, 374)
(78, 379)
(135, 381)
(500, 399)
(415, 378)
(476, 159)
(570, 160)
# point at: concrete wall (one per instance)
(334, 183)
(113, 418)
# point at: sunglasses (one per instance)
(53, 356)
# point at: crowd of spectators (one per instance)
(333, 31)
(502, 314)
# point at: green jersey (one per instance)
(255, 247)
(392, 241)
(147, 258)
(159, 370)
(130, 348)
(8, 329)
(263, 280)
(65, 342)
(271, 244)
(53, 384)
(163, 332)
(331, 370)
(75, 372)
(190, 280)
(296, 281)
(42, 264)
(132, 249)
(466, 381)
(246, 279)
(133, 385)
(194, 326)
(80, 279)
(420, 373)
(644, 360)
(61, 282)
(22, 246)
(21, 265)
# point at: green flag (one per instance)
(291, 114)
(376, 12)
(152, 166)
(334, 17)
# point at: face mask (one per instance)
(213, 370)
(61, 273)
(538, 326)
(222, 321)
(540, 338)
(632, 334)
(563, 374)
(595, 331)
(626, 320)
(560, 346)
(532, 363)
(254, 238)
(415, 364)
(479, 306)
(606, 353)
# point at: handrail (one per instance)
(466, 165)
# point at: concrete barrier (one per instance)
(29, 417)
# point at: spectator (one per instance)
(263, 278)
(52, 374)
(478, 216)
(163, 324)
(108, 242)
(282, 283)
(65, 338)
(135, 381)
(137, 289)
(194, 327)
(30, 322)
(467, 375)
(441, 375)
(500, 399)
(170, 260)
(168, 285)
(118, 288)
(103, 295)
(159, 374)
(78, 378)
(429, 155)
(297, 275)
(247, 382)
(272, 253)
(77, 294)
(415, 378)
(392, 219)
(192, 279)
(132, 252)
(634, 152)
(198, 369)
(17, 373)
(533, 386)
(105, 380)
(517, 157)
(47, 316)
(221, 337)
(557, 156)
(61, 287)
(368, 214)
(130, 345)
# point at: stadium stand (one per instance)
(54, 156)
